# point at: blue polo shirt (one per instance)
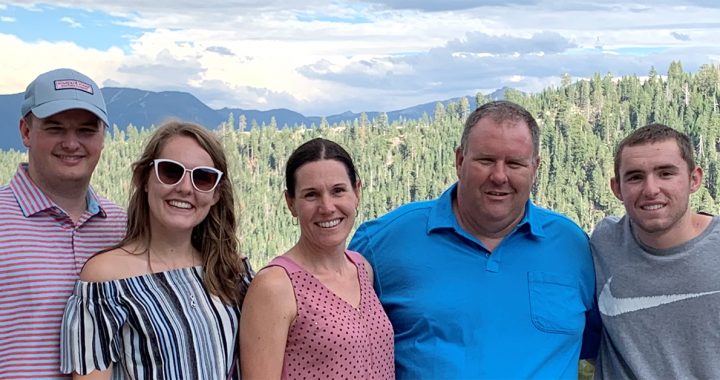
(460, 312)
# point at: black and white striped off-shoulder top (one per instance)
(156, 326)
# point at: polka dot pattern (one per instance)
(330, 339)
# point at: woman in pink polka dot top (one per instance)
(312, 312)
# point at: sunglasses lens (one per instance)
(169, 173)
(204, 179)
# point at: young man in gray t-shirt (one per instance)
(657, 267)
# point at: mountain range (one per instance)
(147, 108)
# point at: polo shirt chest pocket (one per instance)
(556, 304)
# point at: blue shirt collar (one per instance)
(442, 216)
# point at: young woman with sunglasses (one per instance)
(165, 302)
(312, 312)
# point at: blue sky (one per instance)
(86, 28)
(322, 57)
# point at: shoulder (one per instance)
(361, 260)
(547, 216)
(608, 226)
(10, 209)
(554, 223)
(715, 223)
(272, 279)
(407, 214)
(7, 199)
(112, 265)
(111, 208)
(271, 289)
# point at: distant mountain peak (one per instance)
(143, 108)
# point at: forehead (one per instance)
(508, 136)
(184, 149)
(651, 156)
(320, 171)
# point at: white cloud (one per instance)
(7, 19)
(70, 21)
(17, 73)
(327, 56)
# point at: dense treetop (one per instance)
(411, 160)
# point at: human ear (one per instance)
(696, 176)
(24, 132)
(459, 159)
(290, 203)
(615, 186)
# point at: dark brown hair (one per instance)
(655, 133)
(315, 150)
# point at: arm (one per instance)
(591, 334)
(102, 267)
(267, 313)
(94, 375)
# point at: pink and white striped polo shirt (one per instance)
(41, 254)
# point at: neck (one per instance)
(172, 254)
(71, 196)
(686, 229)
(489, 234)
(317, 259)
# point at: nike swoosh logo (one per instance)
(612, 306)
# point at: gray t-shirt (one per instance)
(660, 308)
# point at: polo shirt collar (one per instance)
(32, 200)
(442, 215)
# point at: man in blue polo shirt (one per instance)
(481, 283)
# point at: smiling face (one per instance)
(63, 149)
(325, 203)
(655, 185)
(496, 170)
(179, 207)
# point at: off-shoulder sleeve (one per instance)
(90, 332)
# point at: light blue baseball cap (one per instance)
(61, 90)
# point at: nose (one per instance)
(498, 173)
(651, 187)
(326, 204)
(185, 184)
(70, 141)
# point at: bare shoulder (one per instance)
(271, 295)
(272, 281)
(112, 265)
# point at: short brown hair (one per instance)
(655, 133)
(499, 111)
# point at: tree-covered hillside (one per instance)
(414, 159)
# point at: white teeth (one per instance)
(329, 224)
(180, 204)
(652, 207)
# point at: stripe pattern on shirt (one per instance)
(41, 254)
(156, 326)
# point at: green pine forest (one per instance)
(411, 160)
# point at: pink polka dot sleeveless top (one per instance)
(330, 339)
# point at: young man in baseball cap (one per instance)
(51, 221)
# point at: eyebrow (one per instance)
(656, 168)
(339, 184)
